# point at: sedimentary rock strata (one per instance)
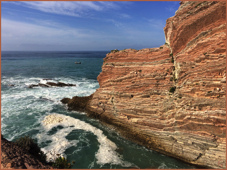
(172, 98)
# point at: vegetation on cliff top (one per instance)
(32, 147)
(29, 145)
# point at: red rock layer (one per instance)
(172, 98)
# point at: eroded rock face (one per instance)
(172, 99)
(15, 157)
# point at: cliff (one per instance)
(172, 98)
(16, 157)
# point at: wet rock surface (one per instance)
(77, 103)
(51, 84)
(15, 157)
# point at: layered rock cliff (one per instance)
(172, 98)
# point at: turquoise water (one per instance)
(81, 139)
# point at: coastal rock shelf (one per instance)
(172, 98)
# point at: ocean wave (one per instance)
(106, 153)
(84, 87)
(19, 102)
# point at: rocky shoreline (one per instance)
(82, 105)
(170, 99)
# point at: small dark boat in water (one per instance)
(77, 62)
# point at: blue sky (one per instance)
(83, 25)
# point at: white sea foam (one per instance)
(19, 101)
(105, 154)
(162, 166)
(58, 145)
(43, 81)
(82, 88)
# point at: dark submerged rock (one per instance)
(33, 85)
(43, 85)
(77, 103)
(51, 84)
(65, 100)
(59, 84)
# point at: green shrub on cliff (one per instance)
(171, 79)
(29, 145)
(172, 89)
(61, 163)
(114, 51)
(172, 60)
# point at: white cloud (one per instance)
(16, 34)
(70, 8)
(45, 22)
(110, 5)
(25, 36)
(173, 7)
(125, 16)
(116, 23)
(157, 23)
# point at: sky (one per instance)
(83, 25)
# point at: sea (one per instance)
(81, 139)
